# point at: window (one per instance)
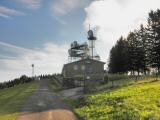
(90, 69)
(83, 67)
(75, 67)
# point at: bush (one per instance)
(80, 102)
(68, 83)
(79, 78)
(23, 79)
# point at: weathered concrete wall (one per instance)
(83, 67)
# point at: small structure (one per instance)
(32, 70)
(85, 67)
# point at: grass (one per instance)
(124, 82)
(140, 101)
(55, 86)
(12, 99)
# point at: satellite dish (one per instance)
(90, 33)
(32, 65)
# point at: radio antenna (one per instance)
(32, 70)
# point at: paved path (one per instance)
(45, 105)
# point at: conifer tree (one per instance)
(118, 57)
(154, 29)
(144, 48)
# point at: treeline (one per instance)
(23, 79)
(49, 76)
(140, 50)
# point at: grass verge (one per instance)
(140, 101)
(12, 99)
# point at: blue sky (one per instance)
(35, 26)
(40, 31)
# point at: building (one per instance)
(84, 67)
(87, 65)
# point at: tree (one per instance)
(154, 30)
(118, 62)
(132, 51)
(136, 52)
(23, 79)
(112, 58)
(144, 46)
(140, 50)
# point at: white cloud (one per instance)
(63, 7)
(4, 16)
(6, 12)
(47, 60)
(31, 4)
(113, 18)
(13, 48)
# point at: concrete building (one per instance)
(87, 66)
(84, 67)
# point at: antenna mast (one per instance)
(32, 70)
(92, 39)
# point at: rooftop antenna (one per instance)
(32, 70)
(91, 39)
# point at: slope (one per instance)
(136, 102)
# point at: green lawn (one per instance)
(140, 101)
(12, 100)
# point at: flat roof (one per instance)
(84, 60)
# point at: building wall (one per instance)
(83, 67)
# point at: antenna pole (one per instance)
(91, 38)
(32, 70)
(92, 49)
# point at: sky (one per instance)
(40, 31)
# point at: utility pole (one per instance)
(92, 49)
(32, 70)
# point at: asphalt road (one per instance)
(43, 104)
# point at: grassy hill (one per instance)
(12, 100)
(140, 101)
